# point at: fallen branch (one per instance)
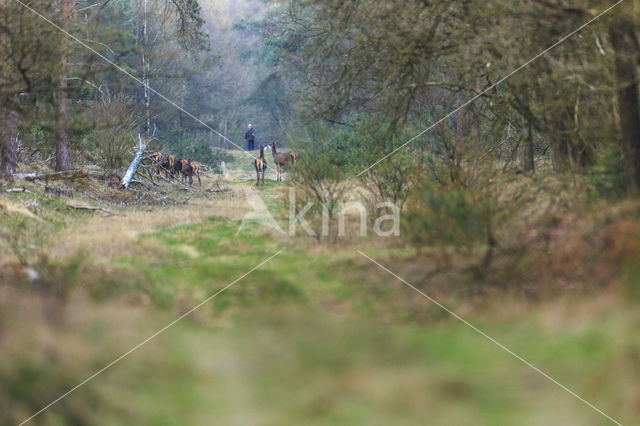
(13, 190)
(142, 176)
(102, 209)
(66, 174)
(141, 183)
(178, 181)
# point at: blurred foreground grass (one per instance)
(316, 336)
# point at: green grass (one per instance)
(314, 369)
(314, 337)
(321, 339)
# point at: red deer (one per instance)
(188, 170)
(168, 165)
(156, 162)
(196, 171)
(282, 159)
(181, 168)
(260, 164)
(177, 167)
(294, 157)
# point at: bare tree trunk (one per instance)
(8, 143)
(527, 152)
(134, 165)
(623, 41)
(145, 71)
(563, 150)
(63, 160)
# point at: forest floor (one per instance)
(317, 335)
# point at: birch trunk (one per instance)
(126, 180)
(63, 159)
(145, 70)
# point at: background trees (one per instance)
(412, 62)
(287, 65)
(54, 89)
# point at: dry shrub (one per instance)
(115, 120)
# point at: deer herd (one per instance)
(173, 166)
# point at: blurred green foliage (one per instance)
(445, 218)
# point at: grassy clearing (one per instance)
(318, 336)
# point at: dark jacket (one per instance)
(250, 135)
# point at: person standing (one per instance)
(250, 137)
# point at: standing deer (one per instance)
(282, 159)
(195, 167)
(156, 162)
(186, 169)
(189, 169)
(168, 164)
(260, 164)
(177, 167)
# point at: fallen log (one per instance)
(63, 175)
(14, 190)
(134, 165)
(92, 208)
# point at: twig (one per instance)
(176, 180)
(140, 175)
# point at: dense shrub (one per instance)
(387, 176)
(320, 175)
(607, 175)
(444, 218)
